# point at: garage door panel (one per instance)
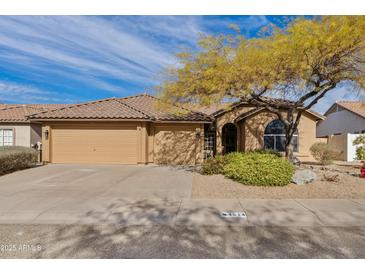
(94, 145)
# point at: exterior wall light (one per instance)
(198, 133)
(46, 134)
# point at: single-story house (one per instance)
(15, 127)
(345, 120)
(134, 130)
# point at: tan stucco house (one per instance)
(134, 130)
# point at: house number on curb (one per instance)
(232, 214)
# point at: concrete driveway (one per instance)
(115, 211)
(149, 195)
(66, 193)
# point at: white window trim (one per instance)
(13, 135)
(281, 135)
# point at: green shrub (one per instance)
(214, 165)
(360, 150)
(14, 158)
(255, 168)
(324, 153)
(268, 151)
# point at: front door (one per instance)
(229, 136)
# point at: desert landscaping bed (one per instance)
(346, 185)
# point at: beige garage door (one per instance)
(94, 145)
(175, 144)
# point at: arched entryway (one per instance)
(229, 138)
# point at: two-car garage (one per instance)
(122, 143)
(130, 130)
(94, 144)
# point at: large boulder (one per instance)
(303, 176)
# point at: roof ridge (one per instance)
(18, 106)
(348, 101)
(127, 105)
(74, 105)
(198, 112)
(136, 95)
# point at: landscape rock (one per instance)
(331, 177)
(303, 176)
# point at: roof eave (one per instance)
(319, 116)
(183, 121)
(89, 119)
(16, 122)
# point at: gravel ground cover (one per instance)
(346, 185)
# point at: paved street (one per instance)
(71, 211)
(156, 241)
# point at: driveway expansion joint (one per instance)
(310, 210)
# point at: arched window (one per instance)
(274, 136)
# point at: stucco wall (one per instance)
(229, 117)
(46, 151)
(340, 143)
(343, 143)
(307, 137)
(177, 143)
(21, 133)
(35, 133)
(340, 122)
(255, 127)
(251, 131)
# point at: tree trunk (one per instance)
(289, 131)
(289, 155)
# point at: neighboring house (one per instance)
(345, 120)
(134, 130)
(343, 117)
(15, 127)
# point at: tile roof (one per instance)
(149, 105)
(39, 106)
(357, 107)
(209, 110)
(220, 108)
(111, 108)
(19, 112)
(140, 107)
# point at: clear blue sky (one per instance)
(57, 59)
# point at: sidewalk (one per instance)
(191, 212)
(264, 212)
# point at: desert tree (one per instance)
(299, 64)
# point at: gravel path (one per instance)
(219, 187)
